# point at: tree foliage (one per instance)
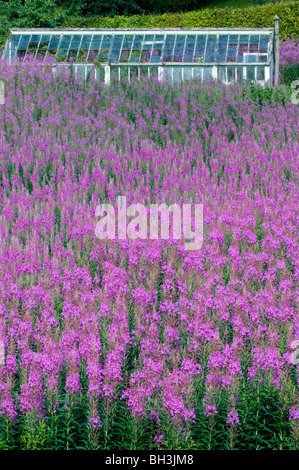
(36, 10)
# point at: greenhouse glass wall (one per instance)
(227, 55)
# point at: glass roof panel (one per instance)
(264, 44)
(13, 46)
(148, 41)
(168, 48)
(105, 47)
(189, 48)
(74, 46)
(34, 41)
(84, 48)
(54, 41)
(222, 48)
(126, 48)
(136, 48)
(200, 47)
(254, 43)
(253, 49)
(64, 46)
(94, 47)
(33, 44)
(179, 47)
(24, 41)
(22, 48)
(43, 46)
(44, 40)
(14, 41)
(243, 47)
(211, 48)
(147, 46)
(85, 42)
(116, 48)
(157, 48)
(232, 48)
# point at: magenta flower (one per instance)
(233, 418)
(210, 410)
(294, 415)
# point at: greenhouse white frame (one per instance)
(224, 54)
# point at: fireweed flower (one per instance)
(233, 418)
(289, 52)
(294, 415)
(94, 422)
(159, 439)
(140, 320)
(210, 410)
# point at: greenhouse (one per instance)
(227, 55)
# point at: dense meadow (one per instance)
(139, 343)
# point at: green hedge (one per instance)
(258, 16)
(290, 73)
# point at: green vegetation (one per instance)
(150, 14)
(290, 73)
(250, 17)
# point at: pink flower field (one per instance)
(139, 343)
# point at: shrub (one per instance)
(290, 73)
(259, 16)
(263, 95)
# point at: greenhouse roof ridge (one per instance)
(65, 30)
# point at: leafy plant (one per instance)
(290, 73)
